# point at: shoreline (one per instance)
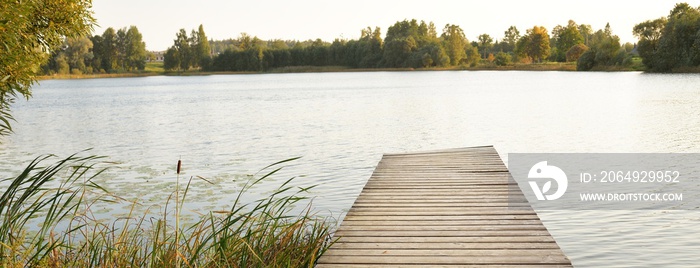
(543, 67)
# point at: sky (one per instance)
(159, 20)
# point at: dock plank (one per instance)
(446, 208)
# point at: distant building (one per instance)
(157, 56)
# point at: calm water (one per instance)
(224, 127)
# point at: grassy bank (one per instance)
(46, 221)
(94, 76)
(152, 69)
(546, 66)
(156, 68)
(550, 66)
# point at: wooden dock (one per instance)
(445, 208)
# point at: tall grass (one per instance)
(59, 198)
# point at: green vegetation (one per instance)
(407, 45)
(666, 44)
(154, 67)
(60, 197)
(188, 52)
(533, 46)
(604, 50)
(28, 31)
(672, 43)
(46, 216)
(112, 52)
(564, 39)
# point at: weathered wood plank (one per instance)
(447, 239)
(437, 186)
(440, 213)
(446, 252)
(443, 210)
(405, 233)
(446, 245)
(448, 208)
(445, 218)
(453, 205)
(434, 195)
(467, 260)
(437, 202)
(346, 265)
(456, 199)
(429, 222)
(436, 227)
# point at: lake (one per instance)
(225, 127)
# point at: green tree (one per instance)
(277, 44)
(402, 39)
(194, 54)
(455, 43)
(575, 52)
(135, 50)
(649, 34)
(503, 59)
(678, 46)
(432, 30)
(586, 32)
(184, 52)
(110, 51)
(62, 66)
(171, 59)
(473, 56)
(194, 51)
(564, 38)
(586, 61)
(485, 44)
(202, 48)
(402, 29)
(29, 32)
(430, 55)
(511, 37)
(407, 42)
(604, 50)
(605, 45)
(398, 50)
(534, 45)
(97, 53)
(77, 51)
(370, 48)
(121, 49)
(245, 42)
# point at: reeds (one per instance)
(59, 198)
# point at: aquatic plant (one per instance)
(60, 197)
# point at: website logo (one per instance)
(542, 171)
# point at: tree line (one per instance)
(671, 43)
(407, 44)
(665, 44)
(114, 51)
(187, 52)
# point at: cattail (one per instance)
(177, 214)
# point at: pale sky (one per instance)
(159, 20)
